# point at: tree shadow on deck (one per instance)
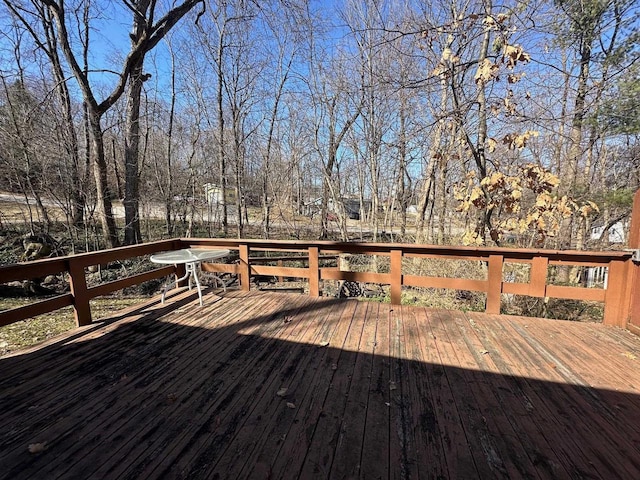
(287, 386)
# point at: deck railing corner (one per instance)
(633, 274)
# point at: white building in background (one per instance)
(213, 194)
(597, 277)
(214, 197)
(616, 233)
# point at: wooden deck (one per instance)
(267, 385)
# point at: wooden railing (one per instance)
(617, 296)
(75, 265)
(633, 281)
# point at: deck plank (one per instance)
(60, 365)
(291, 454)
(503, 451)
(75, 404)
(271, 410)
(594, 362)
(511, 400)
(562, 410)
(219, 407)
(376, 391)
(401, 445)
(320, 453)
(156, 390)
(513, 359)
(375, 444)
(282, 423)
(600, 410)
(425, 422)
(348, 451)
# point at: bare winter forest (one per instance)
(445, 121)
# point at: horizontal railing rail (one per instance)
(74, 267)
(616, 296)
(613, 297)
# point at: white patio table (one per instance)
(191, 258)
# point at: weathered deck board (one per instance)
(375, 444)
(584, 429)
(373, 391)
(346, 463)
(431, 437)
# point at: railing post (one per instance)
(280, 264)
(396, 277)
(615, 297)
(78, 286)
(494, 284)
(245, 268)
(181, 269)
(314, 272)
(538, 276)
(632, 315)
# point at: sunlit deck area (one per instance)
(272, 385)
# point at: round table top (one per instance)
(188, 255)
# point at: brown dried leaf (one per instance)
(440, 70)
(471, 238)
(489, 23)
(514, 54)
(514, 78)
(487, 70)
(37, 447)
(519, 141)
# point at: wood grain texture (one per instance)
(266, 385)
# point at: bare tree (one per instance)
(147, 32)
(20, 128)
(223, 38)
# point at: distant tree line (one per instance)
(445, 118)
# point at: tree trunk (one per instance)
(328, 178)
(238, 153)
(222, 161)
(105, 209)
(483, 222)
(131, 201)
(436, 153)
(402, 169)
(70, 135)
